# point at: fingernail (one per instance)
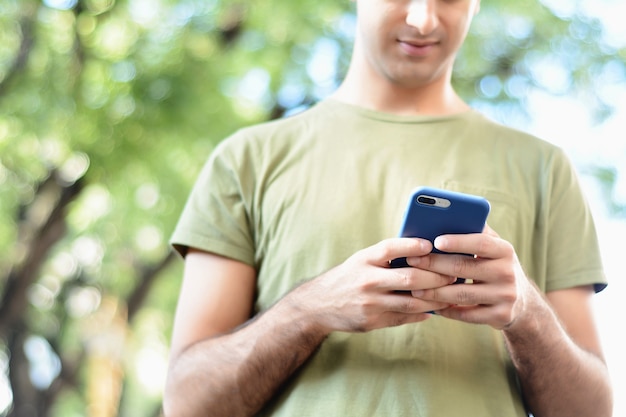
(440, 242)
(417, 293)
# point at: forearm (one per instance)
(237, 373)
(558, 377)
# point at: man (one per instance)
(288, 305)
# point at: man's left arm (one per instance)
(557, 353)
(552, 339)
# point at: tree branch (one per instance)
(27, 24)
(43, 238)
(148, 275)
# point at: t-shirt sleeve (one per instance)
(574, 257)
(216, 216)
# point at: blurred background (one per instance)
(109, 108)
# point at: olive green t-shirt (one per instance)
(297, 196)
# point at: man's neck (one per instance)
(437, 98)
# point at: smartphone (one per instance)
(433, 212)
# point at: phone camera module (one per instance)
(426, 200)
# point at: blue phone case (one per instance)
(465, 213)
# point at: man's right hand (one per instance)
(364, 293)
(235, 372)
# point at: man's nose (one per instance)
(422, 15)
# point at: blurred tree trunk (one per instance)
(42, 225)
(27, 25)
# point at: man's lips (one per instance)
(417, 47)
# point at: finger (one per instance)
(381, 253)
(464, 266)
(406, 304)
(499, 318)
(455, 295)
(468, 314)
(408, 279)
(483, 245)
(392, 319)
(469, 295)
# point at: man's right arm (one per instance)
(221, 365)
(215, 370)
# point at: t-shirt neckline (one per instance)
(337, 106)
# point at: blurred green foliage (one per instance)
(108, 110)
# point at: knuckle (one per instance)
(509, 250)
(387, 249)
(404, 277)
(466, 297)
(366, 255)
(504, 273)
(407, 305)
(509, 297)
(364, 287)
(486, 245)
(508, 246)
(503, 317)
(461, 264)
